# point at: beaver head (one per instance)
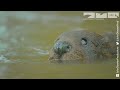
(79, 45)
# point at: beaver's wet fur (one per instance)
(85, 47)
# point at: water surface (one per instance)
(26, 38)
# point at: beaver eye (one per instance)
(84, 41)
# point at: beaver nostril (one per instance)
(61, 47)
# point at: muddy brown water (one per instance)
(27, 37)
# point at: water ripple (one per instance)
(4, 59)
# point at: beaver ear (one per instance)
(97, 40)
(104, 43)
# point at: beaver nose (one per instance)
(61, 47)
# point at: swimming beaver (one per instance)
(83, 46)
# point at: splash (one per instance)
(40, 51)
(4, 59)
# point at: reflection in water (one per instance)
(26, 38)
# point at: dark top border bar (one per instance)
(58, 5)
